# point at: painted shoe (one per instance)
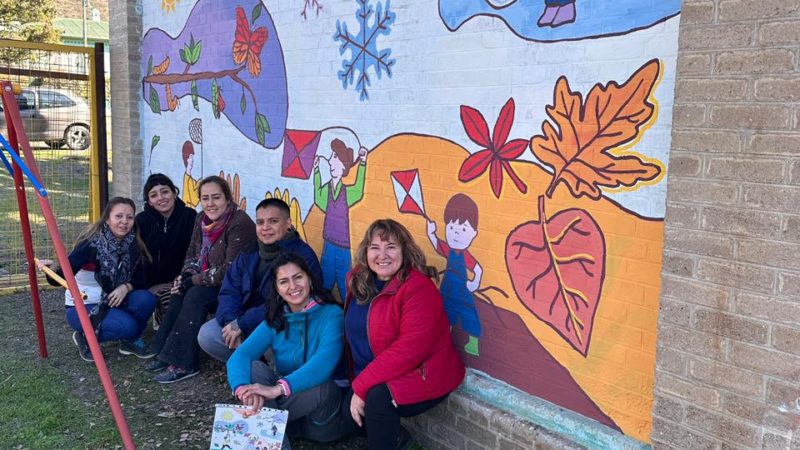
(83, 347)
(174, 374)
(136, 348)
(565, 15)
(472, 346)
(547, 16)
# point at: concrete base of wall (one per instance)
(485, 414)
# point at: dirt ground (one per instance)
(177, 415)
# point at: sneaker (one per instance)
(405, 440)
(156, 365)
(173, 374)
(83, 347)
(136, 348)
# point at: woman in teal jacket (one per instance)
(303, 327)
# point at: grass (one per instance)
(58, 402)
(45, 415)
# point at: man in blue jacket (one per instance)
(243, 294)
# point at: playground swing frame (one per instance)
(19, 168)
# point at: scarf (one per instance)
(113, 256)
(212, 230)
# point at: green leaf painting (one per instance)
(195, 102)
(155, 103)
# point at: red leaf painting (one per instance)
(557, 266)
(496, 152)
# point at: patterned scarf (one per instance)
(113, 256)
(212, 230)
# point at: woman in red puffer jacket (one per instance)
(400, 356)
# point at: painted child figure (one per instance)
(461, 217)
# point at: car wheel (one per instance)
(55, 144)
(77, 137)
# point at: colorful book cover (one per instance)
(263, 431)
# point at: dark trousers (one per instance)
(176, 340)
(313, 413)
(382, 418)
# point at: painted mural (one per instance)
(526, 155)
(559, 20)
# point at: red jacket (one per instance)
(409, 335)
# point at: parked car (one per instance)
(54, 116)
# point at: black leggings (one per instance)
(382, 420)
(176, 340)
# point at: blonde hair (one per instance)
(97, 226)
(361, 284)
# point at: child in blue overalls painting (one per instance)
(461, 218)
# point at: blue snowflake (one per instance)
(364, 47)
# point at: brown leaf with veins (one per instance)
(579, 141)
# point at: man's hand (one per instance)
(232, 335)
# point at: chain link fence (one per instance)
(56, 105)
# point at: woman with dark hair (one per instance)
(108, 263)
(303, 327)
(400, 356)
(221, 232)
(165, 226)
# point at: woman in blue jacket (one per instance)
(303, 327)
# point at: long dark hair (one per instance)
(275, 303)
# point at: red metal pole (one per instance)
(19, 188)
(12, 110)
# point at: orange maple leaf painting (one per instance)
(580, 149)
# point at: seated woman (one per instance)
(108, 263)
(165, 226)
(221, 232)
(303, 327)
(400, 355)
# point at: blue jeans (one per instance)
(123, 323)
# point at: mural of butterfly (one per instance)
(248, 43)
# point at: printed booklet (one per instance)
(233, 431)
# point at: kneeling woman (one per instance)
(108, 263)
(303, 328)
(401, 358)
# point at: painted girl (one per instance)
(335, 200)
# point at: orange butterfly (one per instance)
(248, 44)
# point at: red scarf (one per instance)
(212, 230)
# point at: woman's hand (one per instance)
(256, 402)
(268, 392)
(116, 296)
(357, 406)
(255, 394)
(176, 286)
(44, 262)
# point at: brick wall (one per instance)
(728, 362)
(125, 120)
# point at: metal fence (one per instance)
(61, 104)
